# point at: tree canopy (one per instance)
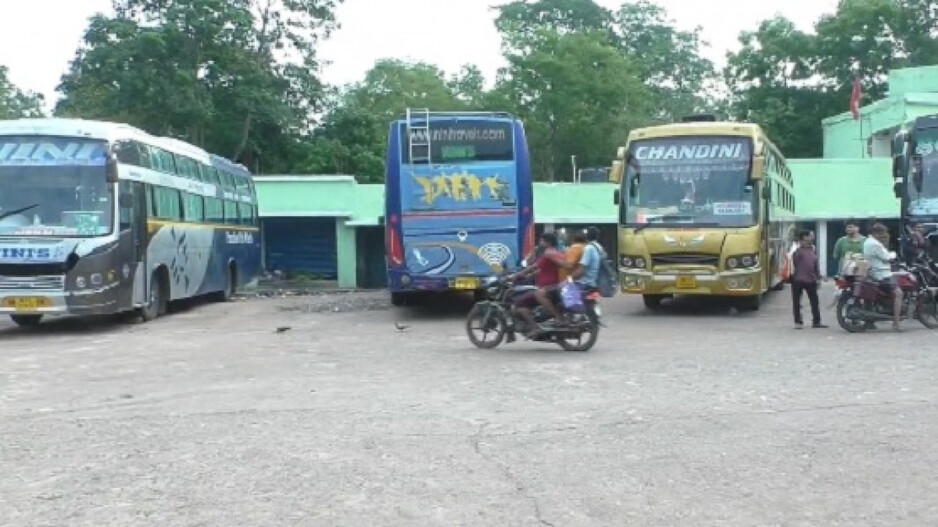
(241, 78)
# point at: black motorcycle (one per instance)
(494, 319)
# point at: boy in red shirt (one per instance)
(548, 268)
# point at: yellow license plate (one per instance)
(26, 303)
(686, 282)
(465, 282)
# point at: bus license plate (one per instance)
(686, 282)
(466, 282)
(26, 303)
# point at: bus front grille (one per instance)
(32, 283)
(685, 259)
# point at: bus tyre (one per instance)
(226, 294)
(398, 299)
(749, 303)
(653, 302)
(26, 321)
(156, 306)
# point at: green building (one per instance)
(330, 227)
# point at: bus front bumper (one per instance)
(100, 301)
(744, 282)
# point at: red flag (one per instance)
(855, 99)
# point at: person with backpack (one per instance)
(606, 278)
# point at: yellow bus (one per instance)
(705, 208)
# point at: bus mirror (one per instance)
(897, 189)
(112, 168)
(616, 197)
(896, 166)
(126, 201)
(633, 187)
(767, 193)
(916, 172)
(615, 172)
(620, 152)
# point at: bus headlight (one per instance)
(97, 279)
(629, 262)
(80, 282)
(742, 261)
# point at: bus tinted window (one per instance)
(193, 207)
(231, 212)
(167, 203)
(214, 210)
(453, 141)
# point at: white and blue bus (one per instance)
(102, 218)
(459, 200)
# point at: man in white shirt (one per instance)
(880, 260)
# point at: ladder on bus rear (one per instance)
(418, 135)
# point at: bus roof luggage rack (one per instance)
(418, 135)
(454, 113)
(699, 118)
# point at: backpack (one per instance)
(607, 280)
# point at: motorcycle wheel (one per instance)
(579, 344)
(485, 326)
(927, 311)
(844, 305)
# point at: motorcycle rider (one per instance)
(874, 251)
(547, 267)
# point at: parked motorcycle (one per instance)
(495, 319)
(862, 301)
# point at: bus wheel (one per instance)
(653, 302)
(749, 303)
(226, 294)
(26, 321)
(156, 306)
(398, 299)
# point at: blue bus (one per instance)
(459, 200)
(102, 218)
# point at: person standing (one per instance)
(805, 278)
(849, 244)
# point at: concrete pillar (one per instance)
(822, 250)
(347, 254)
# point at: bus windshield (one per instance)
(923, 188)
(52, 186)
(702, 181)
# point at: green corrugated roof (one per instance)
(843, 188)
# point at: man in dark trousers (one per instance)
(805, 277)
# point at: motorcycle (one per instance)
(861, 301)
(495, 318)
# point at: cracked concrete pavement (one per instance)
(693, 416)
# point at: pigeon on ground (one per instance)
(283, 329)
(401, 327)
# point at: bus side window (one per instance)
(126, 210)
(128, 152)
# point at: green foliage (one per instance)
(15, 103)
(240, 77)
(213, 72)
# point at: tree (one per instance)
(15, 103)
(353, 135)
(578, 96)
(772, 82)
(213, 72)
(521, 22)
(666, 59)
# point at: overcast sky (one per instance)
(39, 37)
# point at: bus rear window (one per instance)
(454, 141)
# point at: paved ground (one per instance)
(695, 416)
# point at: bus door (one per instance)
(134, 209)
